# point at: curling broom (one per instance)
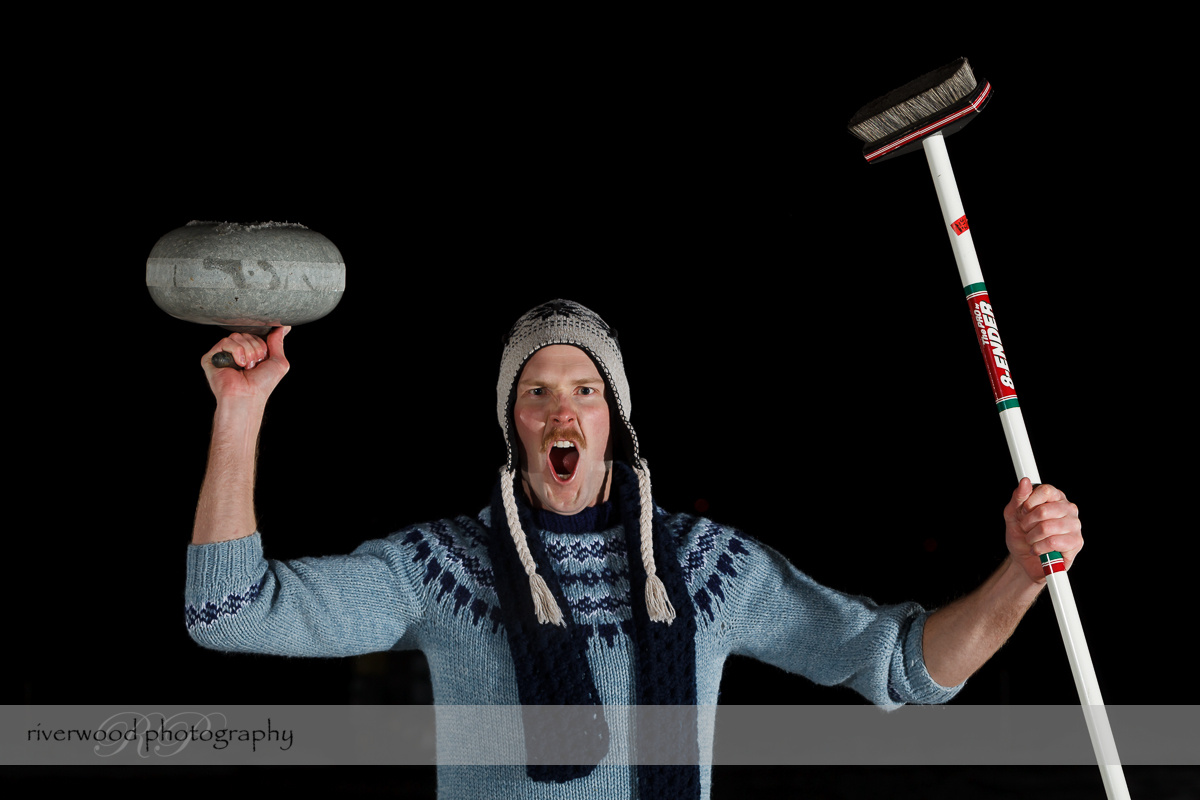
(921, 114)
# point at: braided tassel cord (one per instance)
(657, 603)
(543, 601)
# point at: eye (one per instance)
(537, 392)
(587, 390)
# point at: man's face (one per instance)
(561, 415)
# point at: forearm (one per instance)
(961, 637)
(226, 507)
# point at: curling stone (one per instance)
(247, 278)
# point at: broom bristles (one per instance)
(915, 101)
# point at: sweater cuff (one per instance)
(224, 566)
(922, 686)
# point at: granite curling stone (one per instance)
(245, 277)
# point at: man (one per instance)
(572, 589)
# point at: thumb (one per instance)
(1021, 494)
(275, 341)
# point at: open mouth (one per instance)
(564, 460)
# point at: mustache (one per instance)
(571, 435)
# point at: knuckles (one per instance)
(1058, 509)
(248, 351)
(1054, 527)
(1045, 521)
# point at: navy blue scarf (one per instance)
(551, 661)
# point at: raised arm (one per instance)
(237, 600)
(894, 653)
(961, 637)
(765, 608)
(226, 507)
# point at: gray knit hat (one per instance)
(565, 322)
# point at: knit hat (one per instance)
(569, 323)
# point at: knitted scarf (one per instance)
(552, 668)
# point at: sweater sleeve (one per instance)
(238, 601)
(780, 615)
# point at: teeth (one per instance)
(563, 444)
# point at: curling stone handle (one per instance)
(222, 359)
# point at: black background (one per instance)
(798, 347)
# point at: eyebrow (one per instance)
(585, 381)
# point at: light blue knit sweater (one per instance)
(430, 587)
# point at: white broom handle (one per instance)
(996, 360)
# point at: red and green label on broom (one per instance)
(990, 345)
(1053, 562)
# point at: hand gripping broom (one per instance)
(921, 114)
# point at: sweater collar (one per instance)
(599, 517)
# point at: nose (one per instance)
(564, 412)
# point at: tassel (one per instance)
(657, 602)
(543, 601)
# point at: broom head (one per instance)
(942, 101)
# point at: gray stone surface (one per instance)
(248, 277)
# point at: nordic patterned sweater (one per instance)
(431, 587)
